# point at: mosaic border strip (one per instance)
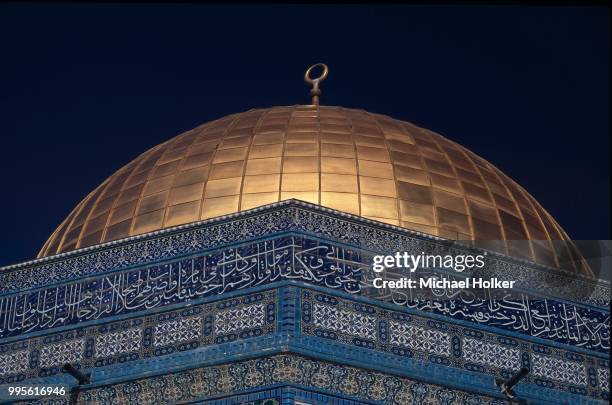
(444, 346)
(212, 274)
(289, 257)
(148, 336)
(417, 337)
(345, 381)
(283, 216)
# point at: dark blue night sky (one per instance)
(86, 88)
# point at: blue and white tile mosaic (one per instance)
(603, 376)
(285, 216)
(559, 370)
(211, 274)
(138, 251)
(291, 257)
(14, 362)
(140, 337)
(286, 369)
(232, 320)
(124, 341)
(424, 339)
(487, 353)
(298, 242)
(330, 318)
(349, 322)
(414, 337)
(387, 239)
(181, 330)
(61, 353)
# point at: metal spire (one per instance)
(315, 92)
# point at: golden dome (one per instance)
(350, 160)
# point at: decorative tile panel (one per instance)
(135, 339)
(212, 274)
(384, 238)
(60, 353)
(396, 332)
(233, 320)
(428, 340)
(345, 321)
(487, 353)
(142, 251)
(290, 215)
(181, 330)
(287, 369)
(316, 247)
(14, 362)
(603, 375)
(560, 370)
(434, 341)
(125, 341)
(292, 257)
(296, 257)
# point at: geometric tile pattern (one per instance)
(177, 331)
(124, 341)
(429, 340)
(14, 362)
(487, 353)
(348, 322)
(285, 369)
(385, 328)
(559, 370)
(290, 216)
(592, 332)
(424, 339)
(248, 317)
(149, 335)
(603, 375)
(60, 353)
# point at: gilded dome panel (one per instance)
(350, 160)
